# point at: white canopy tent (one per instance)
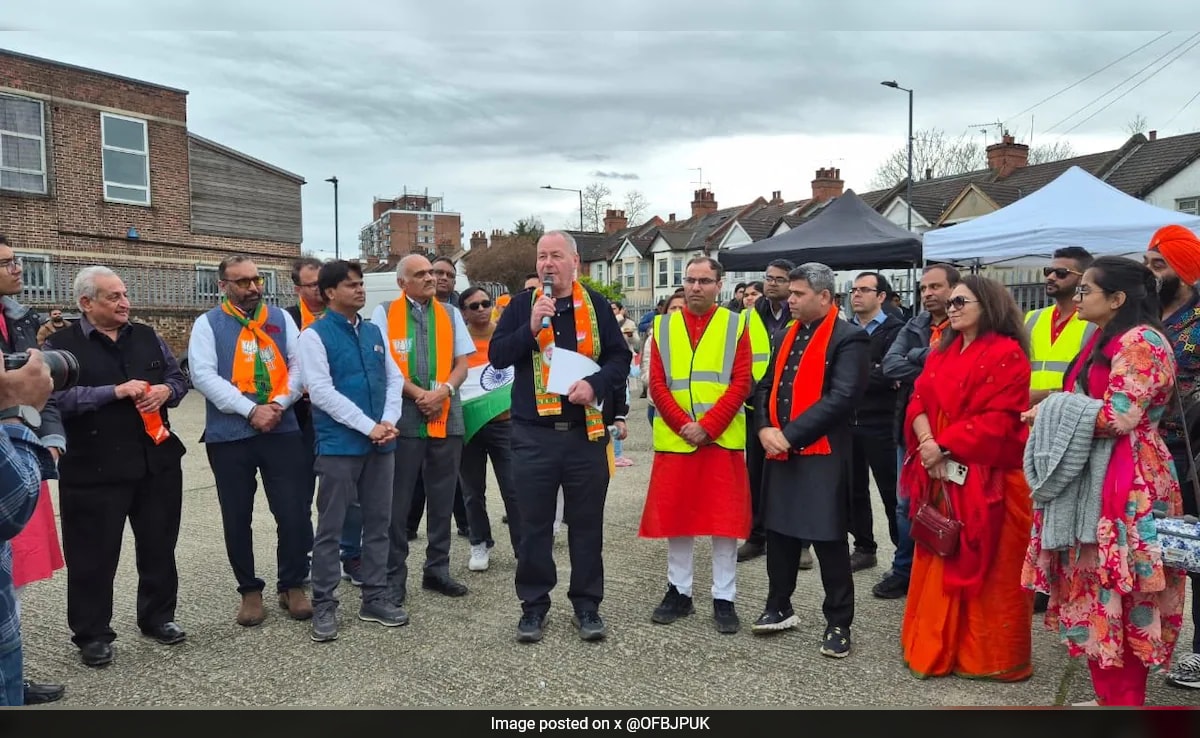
(1076, 209)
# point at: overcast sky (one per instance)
(483, 103)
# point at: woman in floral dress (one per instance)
(1113, 601)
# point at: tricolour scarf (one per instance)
(587, 338)
(258, 367)
(401, 328)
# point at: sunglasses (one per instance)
(482, 304)
(958, 302)
(245, 282)
(1059, 272)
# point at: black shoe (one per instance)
(40, 694)
(725, 616)
(891, 587)
(773, 621)
(860, 560)
(531, 627)
(1041, 601)
(590, 624)
(836, 644)
(96, 653)
(750, 550)
(167, 634)
(444, 585)
(673, 606)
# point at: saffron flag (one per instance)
(486, 393)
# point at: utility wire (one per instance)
(1131, 89)
(1085, 79)
(1177, 112)
(1122, 82)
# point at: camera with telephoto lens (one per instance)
(64, 367)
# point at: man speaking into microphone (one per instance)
(560, 440)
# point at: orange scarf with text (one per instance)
(258, 367)
(807, 384)
(401, 329)
(587, 338)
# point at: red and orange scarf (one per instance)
(587, 337)
(808, 383)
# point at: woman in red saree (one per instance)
(967, 613)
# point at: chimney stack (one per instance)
(671, 218)
(705, 202)
(1006, 157)
(929, 173)
(777, 197)
(1153, 135)
(827, 185)
(614, 220)
(478, 240)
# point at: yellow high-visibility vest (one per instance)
(698, 379)
(760, 343)
(1050, 360)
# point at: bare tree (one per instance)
(596, 199)
(635, 207)
(933, 152)
(1136, 125)
(1056, 151)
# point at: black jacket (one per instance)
(878, 404)
(904, 361)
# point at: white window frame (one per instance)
(664, 273)
(145, 154)
(1188, 205)
(677, 269)
(201, 294)
(630, 276)
(41, 139)
(35, 264)
(643, 274)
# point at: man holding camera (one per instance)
(35, 552)
(124, 463)
(24, 462)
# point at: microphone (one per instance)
(547, 286)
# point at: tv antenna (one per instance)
(983, 128)
(700, 178)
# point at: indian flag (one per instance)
(486, 393)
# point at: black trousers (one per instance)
(755, 458)
(493, 440)
(307, 472)
(417, 511)
(875, 450)
(545, 459)
(783, 564)
(235, 465)
(93, 525)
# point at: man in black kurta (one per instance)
(807, 475)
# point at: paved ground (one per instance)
(461, 652)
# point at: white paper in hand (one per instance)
(566, 368)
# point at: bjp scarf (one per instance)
(258, 367)
(808, 383)
(1181, 249)
(401, 329)
(587, 337)
(307, 316)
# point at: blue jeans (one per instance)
(352, 530)
(902, 563)
(12, 688)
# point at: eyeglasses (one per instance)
(1059, 272)
(864, 290)
(958, 302)
(776, 280)
(705, 281)
(245, 282)
(482, 304)
(12, 265)
(1086, 289)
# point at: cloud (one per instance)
(614, 175)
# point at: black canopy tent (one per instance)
(847, 234)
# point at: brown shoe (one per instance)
(296, 603)
(251, 611)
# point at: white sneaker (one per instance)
(479, 557)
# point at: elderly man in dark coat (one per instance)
(818, 372)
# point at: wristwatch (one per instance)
(450, 388)
(26, 414)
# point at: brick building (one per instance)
(409, 223)
(101, 169)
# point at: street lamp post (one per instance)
(568, 189)
(337, 253)
(908, 189)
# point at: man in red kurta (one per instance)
(698, 483)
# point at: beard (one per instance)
(1168, 288)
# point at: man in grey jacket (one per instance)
(903, 363)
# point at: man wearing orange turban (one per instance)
(1174, 257)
